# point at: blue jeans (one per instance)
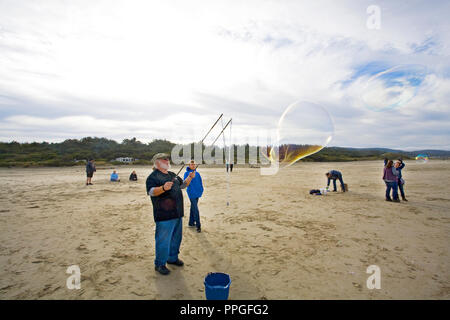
(402, 191)
(339, 176)
(194, 216)
(168, 235)
(393, 186)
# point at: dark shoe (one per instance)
(404, 199)
(90, 184)
(334, 191)
(199, 229)
(178, 263)
(388, 199)
(162, 269)
(396, 200)
(191, 225)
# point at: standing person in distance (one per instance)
(399, 165)
(90, 169)
(390, 177)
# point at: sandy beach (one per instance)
(275, 240)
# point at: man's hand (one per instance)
(192, 175)
(168, 185)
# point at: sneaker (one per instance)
(178, 263)
(404, 199)
(162, 269)
(191, 225)
(388, 199)
(199, 229)
(396, 200)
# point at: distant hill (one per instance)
(376, 153)
(431, 153)
(73, 152)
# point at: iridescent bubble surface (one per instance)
(422, 158)
(304, 128)
(393, 87)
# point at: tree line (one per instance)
(73, 152)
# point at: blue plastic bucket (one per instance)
(217, 286)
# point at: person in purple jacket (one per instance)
(390, 177)
(399, 165)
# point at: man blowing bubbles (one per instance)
(164, 188)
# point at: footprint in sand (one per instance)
(264, 227)
(82, 247)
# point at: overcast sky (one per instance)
(168, 69)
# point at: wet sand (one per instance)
(274, 239)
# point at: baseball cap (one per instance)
(160, 156)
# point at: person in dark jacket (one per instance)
(164, 188)
(334, 175)
(399, 165)
(194, 191)
(90, 169)
(133, 176)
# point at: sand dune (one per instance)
(275, 240)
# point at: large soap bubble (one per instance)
(304, 128)
(422, 158)
(393, 87)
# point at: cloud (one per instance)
(21, 128)
(119, 69)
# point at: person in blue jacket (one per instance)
(399, 165)
(194, 191)
(114, 176)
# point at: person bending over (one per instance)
(334, 175)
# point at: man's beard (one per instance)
(164, 166)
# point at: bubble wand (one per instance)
(201, 142)
(228, 163)
(217, 137)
